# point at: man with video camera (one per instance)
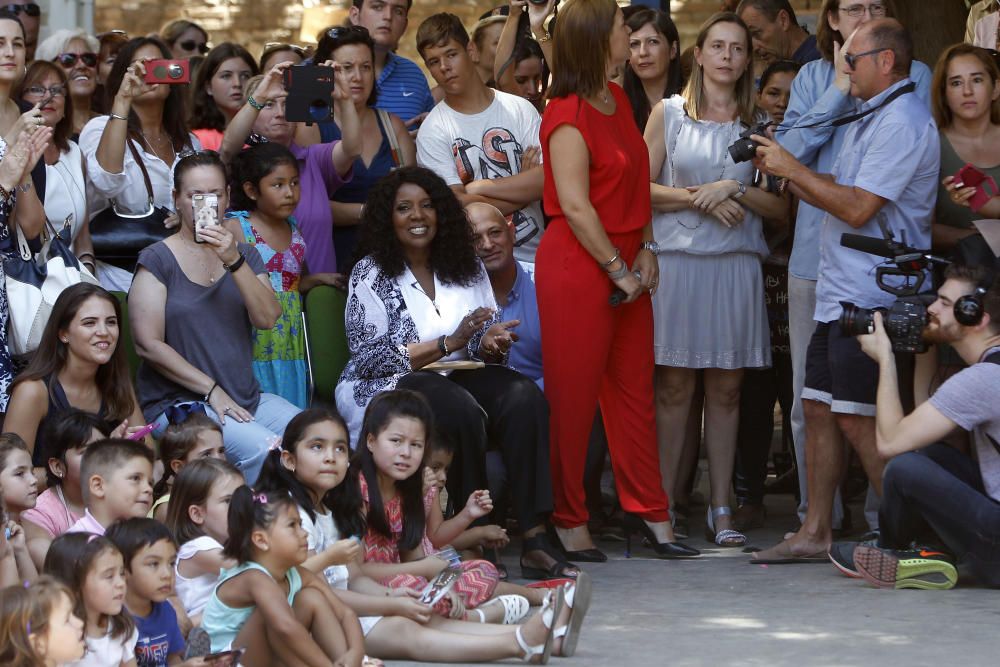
(886, 173)
(932, 492)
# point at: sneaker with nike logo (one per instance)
(917, 567)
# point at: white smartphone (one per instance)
(206, 213)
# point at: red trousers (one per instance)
(594, 353)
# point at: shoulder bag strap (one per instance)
(390, 133)
(142, 166)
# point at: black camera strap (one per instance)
(992, 357)
(858, 115)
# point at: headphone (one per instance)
(969, 309)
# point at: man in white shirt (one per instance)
(480, 140)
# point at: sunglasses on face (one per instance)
(191, 45)
(40, 91)
(31, 9)
(68, 60)
(852, 60)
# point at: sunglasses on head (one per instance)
(69, 59)
(284, 46)
(337, 32)
(31, 9)
(191, 45)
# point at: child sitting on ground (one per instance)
(38, 625)
(66, 438)
(116, 477)
(191, 436)
(18, 493)
(197, 516)
(148, 551)
(92, 566)
(269, 604)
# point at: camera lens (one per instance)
(319, 110)
(855, 321)
(743, 149)
(175, 71)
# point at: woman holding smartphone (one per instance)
(193, 307)
(138, 141)
(965, 99)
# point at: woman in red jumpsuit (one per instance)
(597, 194)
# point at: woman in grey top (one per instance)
(192, 308)
(709, 311)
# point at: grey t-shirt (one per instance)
(208, 326)
(971, 399)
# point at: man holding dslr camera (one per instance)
(932, 491)
(886, 172)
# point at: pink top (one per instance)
(51, 513)
(88, 524)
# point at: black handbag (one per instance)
(119, 237)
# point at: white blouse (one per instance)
(442, 315)
(128, 188)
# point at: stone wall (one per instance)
(256, 22)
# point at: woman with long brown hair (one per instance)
(598, 200)
(965, 96)
(78, 364)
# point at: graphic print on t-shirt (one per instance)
(497, 155)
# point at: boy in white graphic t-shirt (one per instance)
(478, 139)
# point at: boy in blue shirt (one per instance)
(149, 552)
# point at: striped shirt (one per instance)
(402, 88)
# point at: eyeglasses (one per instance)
(852, 60)
(191, 45)
(40, 91)
(857, 11)
(341, 31)
(68, 60)
(31, 9)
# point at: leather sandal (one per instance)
(550, 611)
(560, 569)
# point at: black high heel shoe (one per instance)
(635, 524)
(593, 555)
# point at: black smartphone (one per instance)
(309, 89)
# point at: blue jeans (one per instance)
(247, 444)
(939, 490)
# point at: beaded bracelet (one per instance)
(254, 103)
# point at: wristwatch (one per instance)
(235, 266)
(742, 190)
(651, 246)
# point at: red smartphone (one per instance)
(142, 432)
(986, 187)
(168, 71)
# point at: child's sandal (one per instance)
(515, 607)
(578, 600)
(549, 612)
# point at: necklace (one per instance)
(673, 172)
(199, 254)
(160, 143)
(605, 95)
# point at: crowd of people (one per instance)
(588, 242)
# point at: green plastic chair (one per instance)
(326, 339)
(125, 335)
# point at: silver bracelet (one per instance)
(618, 274)
(115, 116)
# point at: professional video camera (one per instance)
(906, 319)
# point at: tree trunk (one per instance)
(934, 24)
